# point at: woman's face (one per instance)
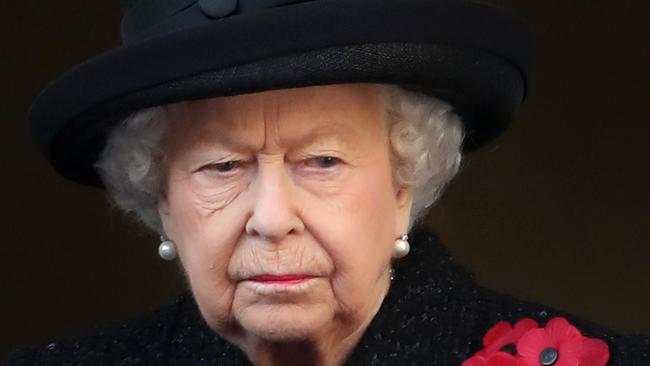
(283, 209)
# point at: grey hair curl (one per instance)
(425, 137)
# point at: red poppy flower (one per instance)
(525, 344)
(494, 359)
(502, 337)
(594, 352)
(560, 344)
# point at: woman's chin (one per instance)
(285, 322)
(284, 312)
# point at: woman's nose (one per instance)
(275, 213)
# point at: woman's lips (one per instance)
(280, 279)
(286, 286)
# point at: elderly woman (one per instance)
(283, 151)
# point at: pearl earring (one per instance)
(167, 249)
(402, 247)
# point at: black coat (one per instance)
(434, 314)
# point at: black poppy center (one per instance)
(509, 348)
(548, 356)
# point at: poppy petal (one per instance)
(560, 328)
(501, 359)
(525, 325)
(475, 361)
(497, 331)
(532, 343)
(594, 352)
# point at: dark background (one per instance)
(557, 211)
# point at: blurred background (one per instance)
(557, 211)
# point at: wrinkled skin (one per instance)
(293, 181)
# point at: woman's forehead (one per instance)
(347, 113)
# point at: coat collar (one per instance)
(418, 322)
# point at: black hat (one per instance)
(472, 55)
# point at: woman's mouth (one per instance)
(288, 279)
(284, 285)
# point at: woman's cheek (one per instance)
(323, 182)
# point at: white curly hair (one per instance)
(425, 138)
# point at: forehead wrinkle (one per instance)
(271, 123)
(216, 137)
(236, 143)
(284, 126)
(234, 130)
(328, 130)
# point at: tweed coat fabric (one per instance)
(434, 314)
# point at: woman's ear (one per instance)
(163, 206)
(163, 213)
(404, 201)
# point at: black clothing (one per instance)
(434, 314)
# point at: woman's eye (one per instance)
(224, 167)
(323, 162)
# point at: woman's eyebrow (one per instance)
(205, 148)
(227, 139)
(334, 131)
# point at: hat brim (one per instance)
(474, 56)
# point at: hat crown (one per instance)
(474, 56)
(145, 19)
